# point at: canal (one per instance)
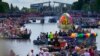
(22, 47)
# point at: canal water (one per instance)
(22, 47)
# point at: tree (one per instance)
(92, 5)
(75, 6)
(24, 9)
(78, 5)
(86, 1)
(97, 5)
(16, 9)
(11, 8)
(4, 7)
(0, 0)
(86, 7)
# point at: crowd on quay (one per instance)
(58, 46)
(12, 27)
(86, 21)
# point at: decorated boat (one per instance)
(69, 33)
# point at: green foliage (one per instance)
(4, 7)
(86, 7)
(14, 9)
(75, 6)
(97, 5)
(11, 7)
(0, 0)
(24, 9)
(93, 5)
(34, 10)
(78, 5)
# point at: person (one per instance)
(51, 35)
(56, 34)
(91, 51)
(12, 53)
(56, 43)
(63, 43)
(41, 52)
(86, 53)
(38, 38)
(47, 35)
(81, 52)
(46, 53)
(74, 53)
(60, 33)
(62, 52)
(37, 55)
(31, 53)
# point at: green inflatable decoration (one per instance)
(80, 35)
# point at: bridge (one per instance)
(51, 8)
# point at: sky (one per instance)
(26, 3)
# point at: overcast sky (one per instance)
(26, 3)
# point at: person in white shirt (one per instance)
(46, 53)
(31, 53)
(41, 52)
(86, 53)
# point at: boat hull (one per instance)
(25, 36)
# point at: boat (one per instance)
(89, 26)
(25, 36)
(22, 36)
(52, 20)
(34, 20)
(38, 42)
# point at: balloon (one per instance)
(80, 35)
(73, 35)
(87, 35)
(65, 21)
(93, 34)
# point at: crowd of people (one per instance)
(56, 44)
(86, 21)
(61, 45)
(12, 28)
